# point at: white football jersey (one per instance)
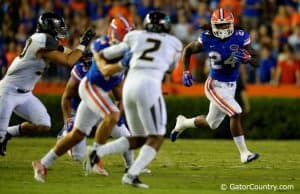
(27, 68)
(153, 53)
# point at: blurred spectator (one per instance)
(13, 51)
(201, 17)
(267, 64)
(294, 40)
(282, 21)
(288, 68)
(182, 29)
(250, 16)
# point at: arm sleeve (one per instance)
(115, 51)
(246, 39)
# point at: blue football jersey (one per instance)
(95, 76)
(222, 66)
(78, 72)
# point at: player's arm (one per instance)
(52, 54)
(61, 58)
(105, 68)
(112, 52)
(254, 55)
(70, 91)
(191, 48)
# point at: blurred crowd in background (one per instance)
(274, 27)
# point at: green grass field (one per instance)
(187, 166)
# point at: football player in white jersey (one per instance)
(154, 51)
(26, 69)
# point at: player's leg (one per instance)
(85, 119)
(38, 119)
(122, 144)
(120, 130)
(7, 104)
(239, 139)
(152, 113)
(222, 96)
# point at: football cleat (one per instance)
(39, 170)
(246, 158)
(3, 143)
(91, 160)
(134, 181)
(179, 128)
(99, 169)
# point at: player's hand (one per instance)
(187, 78)
(68, 126)
(241, 56)
(87, 37)
(124, 62)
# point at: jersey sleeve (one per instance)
(245, 37)
(115, 51)
(99, 44)
(77, 73)
(201, 37)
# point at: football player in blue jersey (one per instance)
(95, 103)
(226, 49)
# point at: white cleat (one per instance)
(249, 157)
(133, 181)
(178, 129)
(99, 169)
(40, 171)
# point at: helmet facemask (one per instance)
(222, 30)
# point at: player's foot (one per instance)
(99, 169)
(246, 158)
(143, 171)
(134, 181)
(3, 143)
(91, 160)
(178, 129)
(39, 170)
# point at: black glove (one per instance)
(87, 37)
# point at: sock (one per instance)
(189, 123)
(146, 155)
(120, 145)
(14, 130)
(240, 144)
(128, 158)
(49, 158)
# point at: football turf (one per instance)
(186, 166)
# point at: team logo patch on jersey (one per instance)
(234, 47)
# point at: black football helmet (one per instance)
(52, 24)
(158, 22)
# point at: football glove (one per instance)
(241, 56)
(124, 62)
(187, 78)
(87, 37)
